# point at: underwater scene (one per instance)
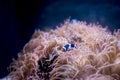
(60, 40)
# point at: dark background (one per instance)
(19, 19)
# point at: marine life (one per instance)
(119, 45)
(77, 51)
(68, 47)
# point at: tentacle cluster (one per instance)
(47, 56)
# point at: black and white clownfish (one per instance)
(68, 46)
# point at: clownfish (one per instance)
(68, 47)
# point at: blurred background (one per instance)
(20, 18)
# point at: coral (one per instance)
(96, 55)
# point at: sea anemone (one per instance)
(93, 53)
